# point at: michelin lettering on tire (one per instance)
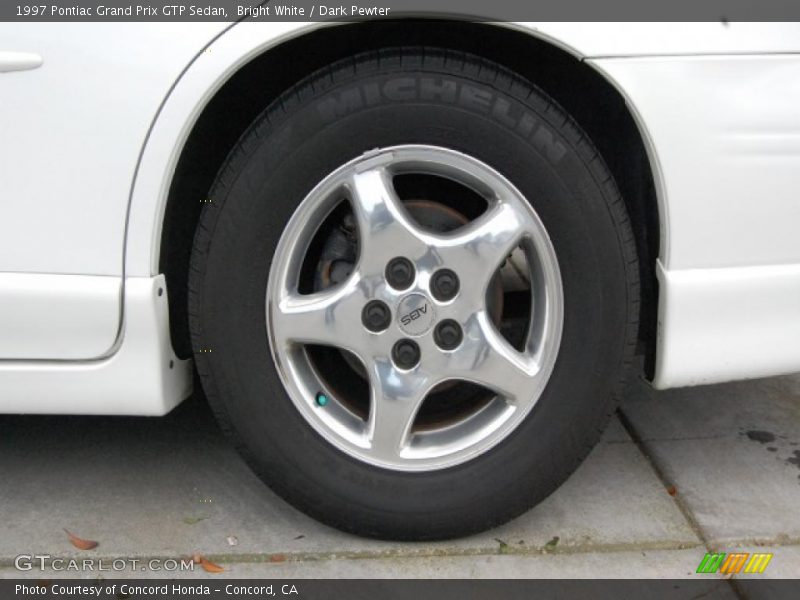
(478, 99)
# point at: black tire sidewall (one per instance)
(280, 160)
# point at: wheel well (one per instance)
(585, 94)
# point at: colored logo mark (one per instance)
(734, 562)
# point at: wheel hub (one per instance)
(415, 314)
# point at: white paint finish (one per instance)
(72, 132)
(680, 98)
(662, 92)
(136, 380)
(720, 325)
(180, 111)
(18, 61)
(726, 132)
(642, 39)
(63, 317)
(108, 82)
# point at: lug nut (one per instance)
(448, 335)
(405, 353)
(376, 316)
(444, 285)
(400, 273)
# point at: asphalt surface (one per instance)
(677, 474)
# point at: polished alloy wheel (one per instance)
(415, 312)
(420, 285)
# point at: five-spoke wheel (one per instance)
(415, 312)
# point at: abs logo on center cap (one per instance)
(415, 314)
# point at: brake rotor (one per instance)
(340, 250)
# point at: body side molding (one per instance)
(143, 378)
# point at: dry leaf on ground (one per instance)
(80, 543)
(208, 566)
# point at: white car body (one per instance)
(93, 119)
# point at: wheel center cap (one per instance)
(415, 314)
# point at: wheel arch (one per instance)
(200, 122)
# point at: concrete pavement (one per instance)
(677, 473)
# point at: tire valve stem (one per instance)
(322, 399)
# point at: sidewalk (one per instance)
(677, 474)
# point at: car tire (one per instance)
(410, 104)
